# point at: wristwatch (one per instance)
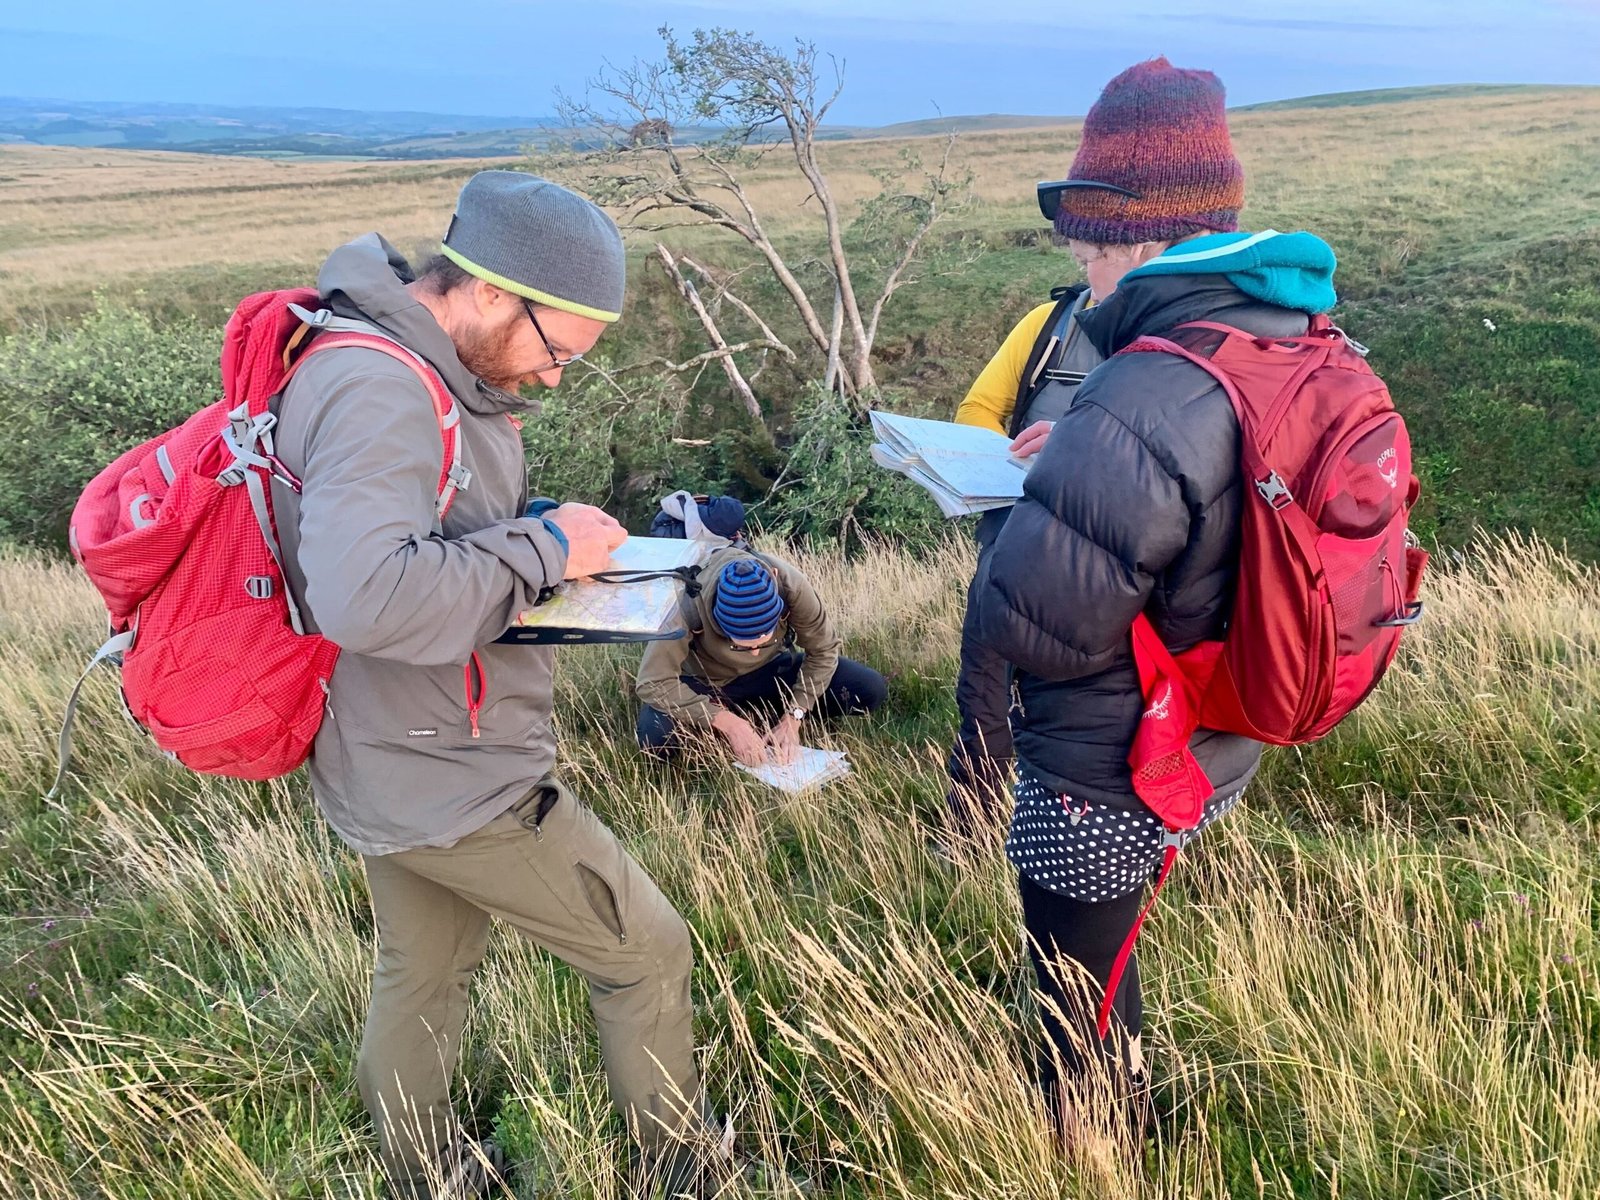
(799, 714)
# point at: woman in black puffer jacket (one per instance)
(1132, 507)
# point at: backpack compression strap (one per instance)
(113, 646)
(1171, 842)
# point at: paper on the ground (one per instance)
(965, 468)
(642, 609)
(811, 768)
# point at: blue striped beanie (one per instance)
(747, 604)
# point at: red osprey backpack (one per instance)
(179, 538)
(1328, 572)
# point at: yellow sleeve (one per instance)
(994, 393)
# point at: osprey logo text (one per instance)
(1162, 708)
(1389, 468)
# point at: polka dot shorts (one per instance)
(1089, 852)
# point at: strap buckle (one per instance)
(1275, 492)
(317, 320)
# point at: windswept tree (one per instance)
(673, 144)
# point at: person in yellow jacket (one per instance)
(1029, 382)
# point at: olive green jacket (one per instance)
(706, 653)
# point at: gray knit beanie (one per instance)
(536, 239)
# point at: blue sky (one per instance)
(905, 59)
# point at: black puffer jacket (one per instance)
(1133, 506)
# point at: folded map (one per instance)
(965, 468)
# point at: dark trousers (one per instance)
(1089, 934)
(854, 690)
(980, 759)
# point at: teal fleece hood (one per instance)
(1290, 270)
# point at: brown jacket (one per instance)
(707, 655)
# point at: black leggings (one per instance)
(1090, 934)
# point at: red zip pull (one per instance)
(474, 698)
(1074, 816)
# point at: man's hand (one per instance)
(748, 746)
(784, 739)
(591, 537)
(1032, 439)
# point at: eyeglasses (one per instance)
(556, 361)
(1050, 193)
(754, 647)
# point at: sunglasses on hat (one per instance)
(1050, 193)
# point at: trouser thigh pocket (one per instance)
(597, 875)
(602, 899)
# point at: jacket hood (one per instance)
(366, 280)
(1289, 270)
(1155, 304)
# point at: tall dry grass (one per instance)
(1354, 989)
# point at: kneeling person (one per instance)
(759, 644)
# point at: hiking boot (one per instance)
(475, 1171)
(704, 1167)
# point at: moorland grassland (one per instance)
(1467, 229)
(1380, 979)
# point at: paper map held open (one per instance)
(964, 468)
(590, 610)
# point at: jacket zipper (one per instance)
(474, 671)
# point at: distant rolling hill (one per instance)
(1443, 91)
(269, 132)
(932, 126)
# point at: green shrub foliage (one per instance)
(74, 398)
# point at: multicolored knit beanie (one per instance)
(747, 605)
(1161, 132)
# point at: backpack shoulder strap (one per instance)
(453, 475)
(1052, 334)
(689, 601)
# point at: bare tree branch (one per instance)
(830, 377)
(723, 354)
(671, 145)
(700, 360)
(773, 340)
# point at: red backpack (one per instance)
(1328, 571)
(179, 538)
